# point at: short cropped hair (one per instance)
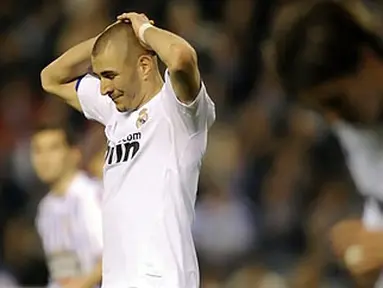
(69, 133)
(121, 34)
(321, 42)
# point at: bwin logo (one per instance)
(124, 150)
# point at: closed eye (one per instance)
(108, 75)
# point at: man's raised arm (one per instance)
(60, 76)
(176, 53)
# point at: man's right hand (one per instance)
(359, 249)
(344, 234)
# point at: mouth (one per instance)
(114, 98)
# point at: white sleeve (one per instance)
(194, 117)
(95, 106)
(93, 222)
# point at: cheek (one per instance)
(58, 159)
(122, 84)
(134, 77)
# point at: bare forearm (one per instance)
(171, 49)
(71, 65)
(181, 60)
(94, 277)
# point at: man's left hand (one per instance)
(137, 20)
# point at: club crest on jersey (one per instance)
(142, 117)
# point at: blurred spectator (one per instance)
(224, 229)
(273, 181)
(84, 19)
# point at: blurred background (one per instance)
(274, 176)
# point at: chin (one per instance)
(47, 179)
(121, 108)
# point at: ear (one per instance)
(145, 66)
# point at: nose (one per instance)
(106, 87)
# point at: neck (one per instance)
(151, 88)
(60, 187)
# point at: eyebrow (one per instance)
(107, 73)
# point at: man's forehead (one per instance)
(113, 49)
(109, 57)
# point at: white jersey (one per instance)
(70, 229)
(150, 177)
(364, 149)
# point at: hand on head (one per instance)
(137, 20)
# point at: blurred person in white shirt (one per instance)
(328, 55)
(69, 216)
(224, 229)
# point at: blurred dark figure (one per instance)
(328, 56)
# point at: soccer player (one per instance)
(330, 57)
(69, 216)
(156, 134)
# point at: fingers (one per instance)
(132, 16)
(127, 16)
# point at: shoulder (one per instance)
(43, 208)
(88, 81)
(202, 108)
(84, 180)
(45, 203)
(169, 91)
(87, 188)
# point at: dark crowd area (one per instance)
(274, 177)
